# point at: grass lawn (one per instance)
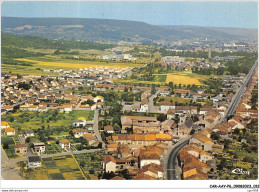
(36, 120)
(55, 168)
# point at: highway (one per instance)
(173, 170)
(239, 94)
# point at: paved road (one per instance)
(173, 169)
(151, 107)
(240, 92)
(79, 103)
(95, 127)
(54, 155)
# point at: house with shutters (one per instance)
(20, 148)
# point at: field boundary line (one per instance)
(4, 152)
(79, 167)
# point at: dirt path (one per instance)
(9, 170)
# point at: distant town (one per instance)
(127, 110)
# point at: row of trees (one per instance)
(242, 65)
(47, 43)
(208, 70)
(198, 54)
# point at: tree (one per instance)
(57, 52)
(117, 128)
(153, 90)
(192, 132)
(5, 145)
(222, 164)
(27, 140)
(215, 136)
(109, 175)
(162, 117)
(171, 86)
(82, 163)
(100, 145)
(24, 85)
(132, 162)
(129, 130)
(83, 141)
(11, 119)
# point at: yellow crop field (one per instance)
(182, 79)
(53, 168)
(70, 176)
(78, 65)
(50, 171)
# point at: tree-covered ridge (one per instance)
(91, 29)
(46, 43)
(9, 52)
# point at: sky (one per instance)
(214, 14)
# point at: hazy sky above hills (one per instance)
(215, 14)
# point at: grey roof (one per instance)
(78, 121)
(211, 162)
(34, 159)
(28, 131)
(188, 123)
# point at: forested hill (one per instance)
(116, 30)
(47, 43)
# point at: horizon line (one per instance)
(130, 21)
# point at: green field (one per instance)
(16, 140)
(184, 78)
(160, 78)
(51, 119)
(90, 163)
(53, 148)
(173, 100)
(24, 70)
(8, 146)
(53, 62)
(55, 168)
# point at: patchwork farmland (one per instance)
(54, 63)
(53, 168)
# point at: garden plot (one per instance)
(54, 168)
